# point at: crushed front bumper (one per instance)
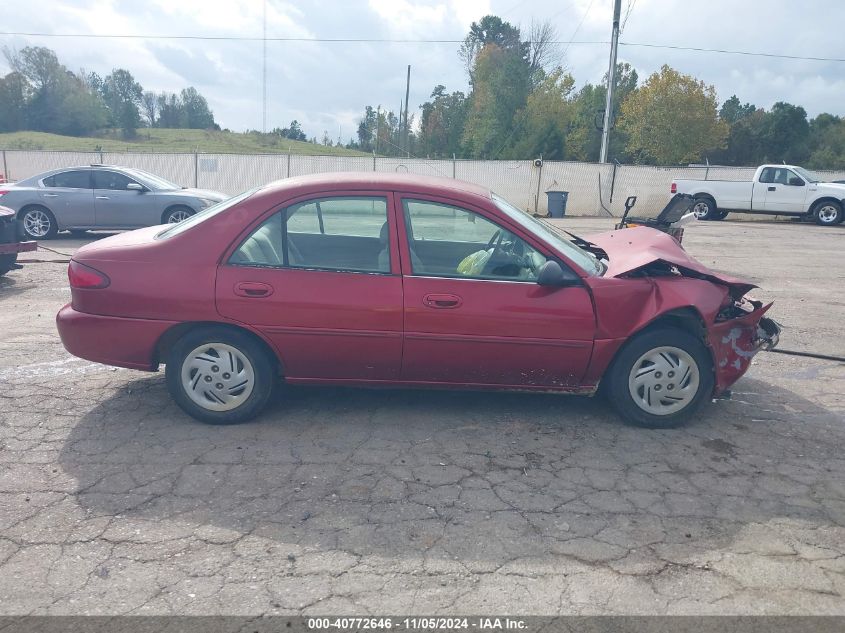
(735, 341)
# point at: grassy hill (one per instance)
(162, 140)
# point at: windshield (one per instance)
(202, 216)
(152, 181)
(806, 175)
(584, 259)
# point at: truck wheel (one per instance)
(828, 213)
(6, 262)
(705, 209)
(721, 215)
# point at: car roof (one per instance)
(379, 181)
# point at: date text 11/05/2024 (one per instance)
(417, 623)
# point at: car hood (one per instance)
(205, 194)
(635, 249)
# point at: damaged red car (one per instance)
(390, 280)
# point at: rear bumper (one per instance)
(17, 247)
(111, 340)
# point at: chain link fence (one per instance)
(594, 189)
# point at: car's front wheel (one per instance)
(39, 223)
(660, 378)
(174, 215)
(220, 376)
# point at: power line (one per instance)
(350, 40)
(577, 28)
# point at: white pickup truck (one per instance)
(775, 190)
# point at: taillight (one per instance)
(3, 191)
(82, 276)
(674, 187)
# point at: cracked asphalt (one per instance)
(352, 502)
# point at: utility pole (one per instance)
(611, 82)
(407, 89)
(264, 72)
(378, 126)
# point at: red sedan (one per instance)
(389, 280)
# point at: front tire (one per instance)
(174, 215)
(220, 376)
(705, 209)
(828, 213)
(660, 378)
(39, 223)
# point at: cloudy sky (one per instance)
(326, 85)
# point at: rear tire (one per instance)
(39, 223)
(6, 262)
(721, 215)
(660, 378)
(828, 213)
(220, 376)
(705, 209)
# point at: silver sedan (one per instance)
(100, 197)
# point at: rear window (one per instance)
(202, 216)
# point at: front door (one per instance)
(474, 313)
(784, 194)
(320, 279)
(119, 207)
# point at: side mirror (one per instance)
(795, 181)
(552, 275)
(134, 186)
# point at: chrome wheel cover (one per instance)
(37, 223)
(175, 217)
(664, 380)
(828, 214)
(700, 210)
(217, 377)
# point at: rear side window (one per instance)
(69, 180)
(347, 234)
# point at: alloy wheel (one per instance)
(177, 216)
(37, 223)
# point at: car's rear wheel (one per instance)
(660, 378)
(174, 215)
(7, 261)
(828, 213)
(705, 209)
(220, 376)
(39, 223)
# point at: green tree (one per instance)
(786, 133)
(122, 95)
(543, 124)
(733, 110)
(367, 129)
(672, 118)
(196, 113)
(827, 142)
(14, 95)
(491, 29)
(442, 123)
(293, 131)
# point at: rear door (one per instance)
(320, 279)
(69, 196)
(474, 313)
(119, 207)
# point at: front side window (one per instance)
(78, 179)
(347, 234)
(111, 180)
(446, 241)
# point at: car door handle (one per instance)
(102, 197)
(442, 301)
(773, 188)
(253, 289)
(51, 195)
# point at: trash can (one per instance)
(557, 203)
